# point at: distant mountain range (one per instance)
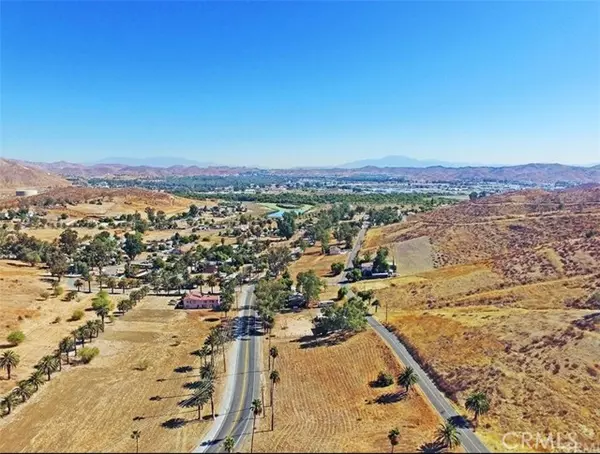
(159, 161)
(402, 161)
(527, 173)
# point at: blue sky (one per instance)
(287, 84)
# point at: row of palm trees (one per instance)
(53, 363)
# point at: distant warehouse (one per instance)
(26, 192)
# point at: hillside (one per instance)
(79, 201)
(16, 175)
(508, 303)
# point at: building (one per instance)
(26, 192)
(198, 301)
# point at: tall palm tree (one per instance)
(198, 399)
(135, 435)
(78, 284)
(111, 283)
(23, 390)
(447, 435)
(76, 336)
(47, 365)
(8, 401)
(376, 304)
(408, 378)
(208, 387)
(211, 282)
(102, 312)
(65, 346)
(394, 437)
(92, 328)
(9, 360)
(273, 353)
(36, 379)
(479, 404)
(99, 326)
(275, 379)
(200, 283)
(229, 443)
(256, 411)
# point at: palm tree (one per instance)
(208, 386)
(122, 284)
(211, 282)
(88, 278)
(275, 379)
(229, 443)
(65, 346)
(135, 435)
(23, 390)
(256, 410)
(394, 437)
(479, 404)
(111, 283)
(200, 282)
(8, 401)
(99, 326)
(273, 353)
(47, 365)
(102, 312)
(408, 378)
(198, 399)
(78, 284)
(36, 379)
(9, 360)
(76, 336)
(376, 304)
(447, 435)
(92, 328)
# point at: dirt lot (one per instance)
(324, 402)
(112, 397)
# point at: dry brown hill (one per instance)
(16, 175)
(81, 201)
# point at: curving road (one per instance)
(243, 382)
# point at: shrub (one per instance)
(87, 354)
(16, 337)
(56, 320)
(142, 365)
(384, 379)
(77, 315)
(44, 295)
(71, 295)
(337, 268)
(58, 290)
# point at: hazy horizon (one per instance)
(302, 84)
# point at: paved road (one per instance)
(243, 383)
(469, 440)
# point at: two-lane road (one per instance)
(243, 383)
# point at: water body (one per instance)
(278, 210)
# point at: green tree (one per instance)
(65, 346)
(447, 435)
(229, 444)
(68, 242)
(394, 437)
(9, 360)
(8, 402)
(310, 285)
(354, 275)
(58, 264)
(278, 258)
(111, 283)
(342, 292)
(47, 365)
(198, 400)
(275, 379)
(134, 245)
(36, 379)
(337, 268)
(102, 305)
(408, 378)
(23, 390)
(286, 224)
(257, 409)
(479, 404)
(78, 284)
(212, 281)
(15, 337)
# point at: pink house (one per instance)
(198, 301)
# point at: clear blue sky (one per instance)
(287, 84)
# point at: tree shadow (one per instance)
(323, 341)
(461, 422)
(159, 398)
(183, 369)
(192, 385)
(174, 423)
(8, 345)
(434, 446)
(391, 398)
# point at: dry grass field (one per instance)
(22, 308)
(324, 402)
(312, 259)
(94, 408)
(509, 308)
